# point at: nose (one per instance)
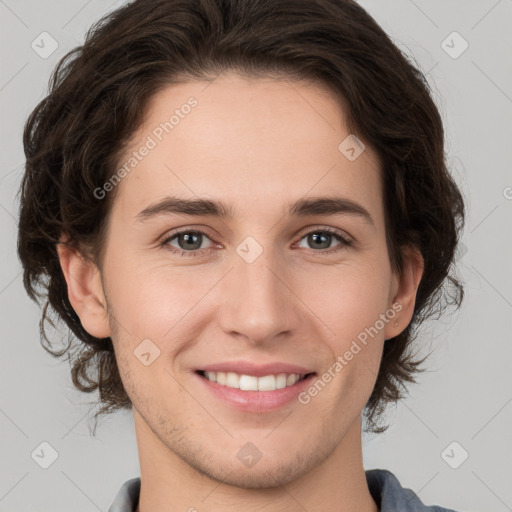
(257, 301)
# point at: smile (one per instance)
(253, 383)
(251, 394)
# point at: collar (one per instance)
(383, 485)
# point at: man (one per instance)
(243, 209)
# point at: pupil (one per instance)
(324, 236)
(189, 240)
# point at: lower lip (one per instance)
(256, 401)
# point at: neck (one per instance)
(168, 483)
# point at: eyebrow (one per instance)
(301, 208)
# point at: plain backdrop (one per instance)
(450, 440)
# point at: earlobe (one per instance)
(404, 298)
(85, 290)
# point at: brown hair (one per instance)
(97, 94)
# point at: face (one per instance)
(186, 291)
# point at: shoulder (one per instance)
(389, 494)
(127, 497)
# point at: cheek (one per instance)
(348, 298)
(156, 301)
(351, 306)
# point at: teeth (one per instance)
(251, 383)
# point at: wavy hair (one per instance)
(97, 95)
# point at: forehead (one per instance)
(255, 142)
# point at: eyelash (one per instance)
(164, 243)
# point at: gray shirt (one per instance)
(384, 487)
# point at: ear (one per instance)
(85, 290)
(404, 289)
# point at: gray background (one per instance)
(464, 398)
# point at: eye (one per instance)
(189, 242)
(322, 238)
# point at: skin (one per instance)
(255, 144)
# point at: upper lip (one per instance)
(257, 370)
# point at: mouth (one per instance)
(243, 382)
(251, 394)
(254, 387)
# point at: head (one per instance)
(258, 106)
